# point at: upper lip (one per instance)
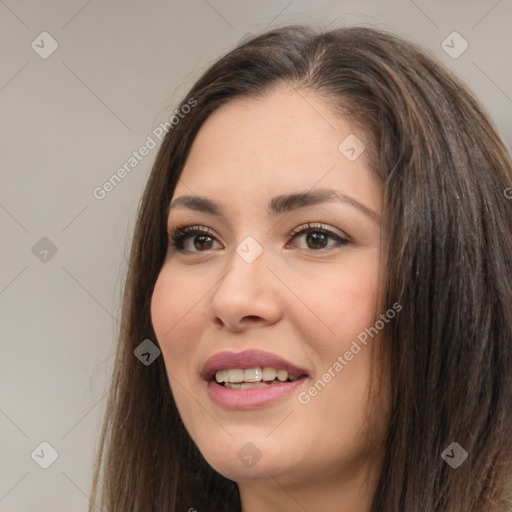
(247, 359)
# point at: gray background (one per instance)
(68, 122)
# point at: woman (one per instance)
(322, 256)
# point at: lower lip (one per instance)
(251, 398)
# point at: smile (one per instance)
(237, 378)
(250, 379)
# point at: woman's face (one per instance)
(283, 275)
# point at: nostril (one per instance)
(251, 318)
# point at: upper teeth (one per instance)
(253, 375)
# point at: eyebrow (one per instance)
(277, 205)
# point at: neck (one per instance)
(345, 491)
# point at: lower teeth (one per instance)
(250, 385)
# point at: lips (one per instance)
(250, 396)
(248, 359)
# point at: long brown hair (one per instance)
(447, 230)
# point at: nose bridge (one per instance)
(245, 290)
(247, 266)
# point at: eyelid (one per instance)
(192, 228)
(310, 226)
(177, 235)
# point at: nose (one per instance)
(246, 296)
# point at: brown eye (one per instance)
(203, 242)
(317, 237)
(192, 239)
(316, 240)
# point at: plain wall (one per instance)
(68, 122)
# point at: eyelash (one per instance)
(178, 235)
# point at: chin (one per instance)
(248, 457)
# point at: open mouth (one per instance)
(251, 378)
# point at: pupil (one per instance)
(200, 242)
(316, 240)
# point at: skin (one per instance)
(303, 303)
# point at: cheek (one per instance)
(343, 306)
(343, 302)
(348, 308)
(177, 313)
(176, 318)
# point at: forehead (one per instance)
(286, 141)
